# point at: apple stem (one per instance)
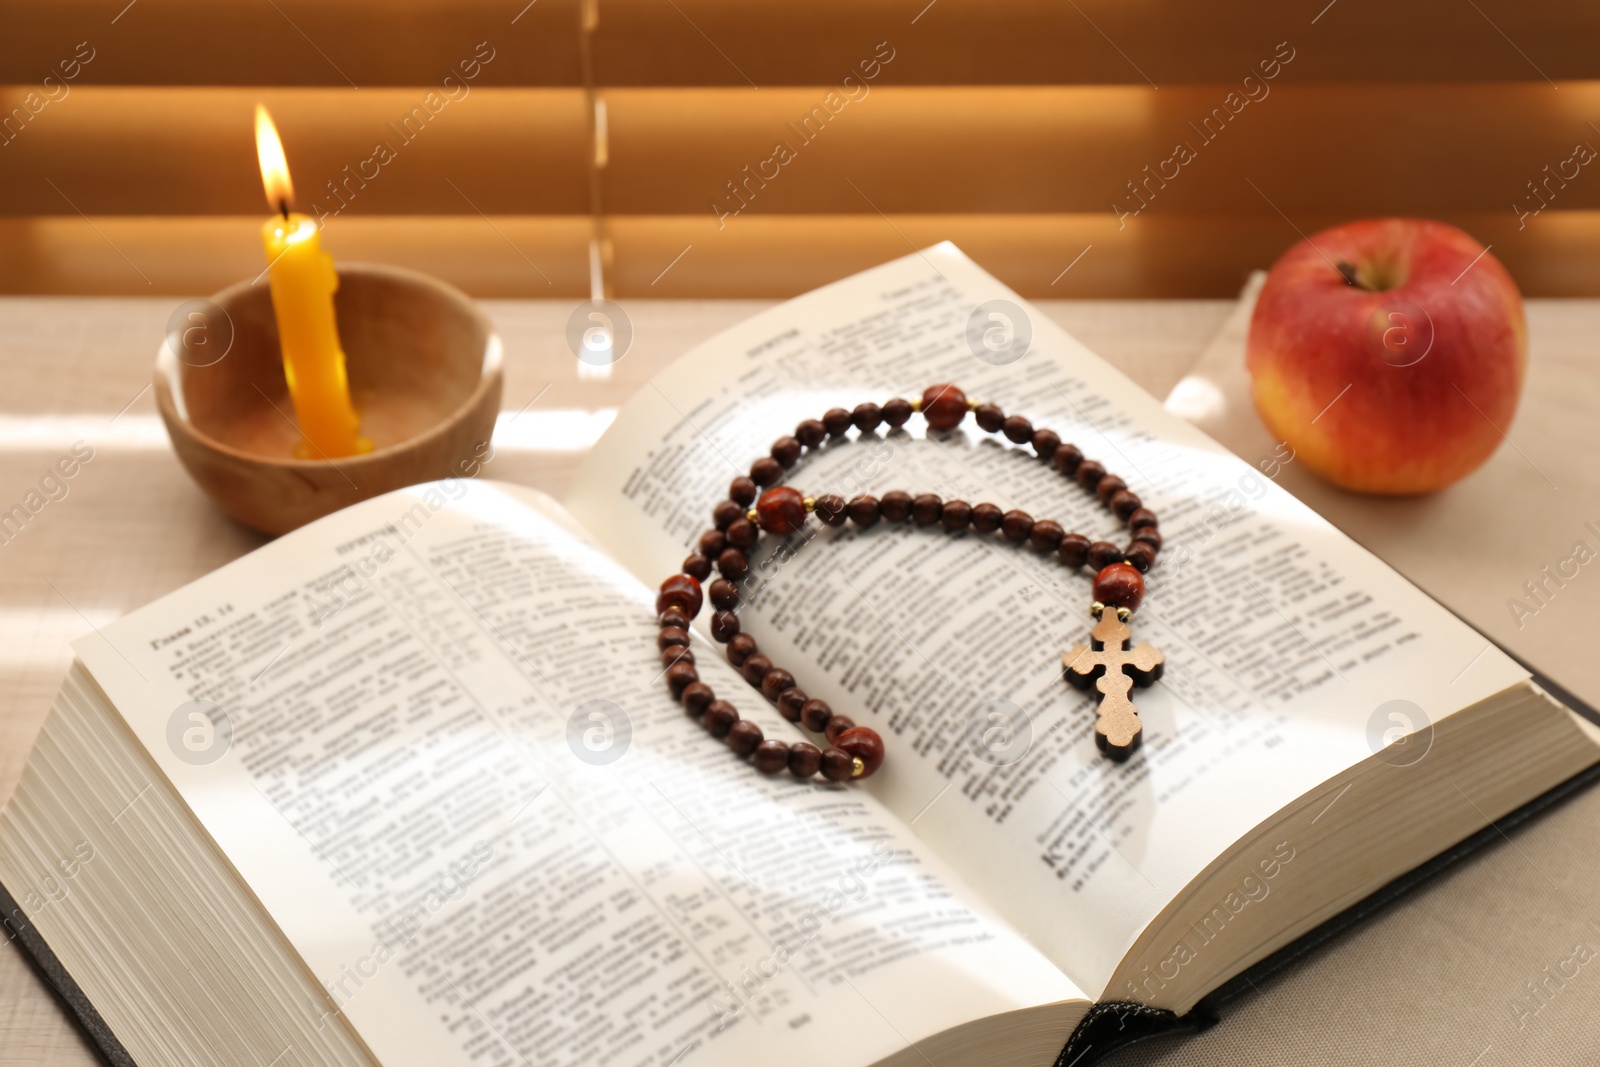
(1348, 273)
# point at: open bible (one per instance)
(406, 786)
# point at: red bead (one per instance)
(864, 744)
(990, 417)
(815, 715)
(944, 406)
(782, 510)
(681, 592)
(742, 490)
(837, 764)
(1140, 556)
(696, 566)
(804, 759)
(1119, 586)
(790, 701)
(744, 736)
(740, 648)
(771, 757)
(697, 698)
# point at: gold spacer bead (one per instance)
(916, 403)
(857, 768)
(1097, 609)
(753, 515)
(973, 405)
(1124, 614)
(810, 502)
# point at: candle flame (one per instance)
(274, 165)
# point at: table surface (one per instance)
(132, 527)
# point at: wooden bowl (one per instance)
(425, 375)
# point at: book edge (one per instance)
(1107, 1027)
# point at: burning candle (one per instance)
(302, 279)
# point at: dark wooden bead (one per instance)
(1124, 502)
(1150, 536)
(712, 542)
(815, 714)
(1103, 554)
(756, 667)
(727, 513)
(1047, 534)
(742, 491)
(696, 566)
(719, 718)
(766, 471)
(866, 417)
(986, 518)
(733, 564)
(1090, 471)
(1045, 443)
(790, 701)
(1119, 585)
(724, 626)
(1140, 518)
(836, 726)
(838, 765)
(830, 508)
(895, 506)
(771, 757)
(1066, 459)
(742, 533)
(774, 682)
(673, 617)
(811, 433)
(672, 635)
(1016, 526)
(724, 594)
(697, 698)
(1140, 555)
(740, 649)
(863, 743)
(786, 450)
(676, 654)
(837, 420)
(1073, 550)
(1108, 487)
(805, 759)
(681, 592)
(926, 509)
(1018, 429)
(944, 406)
(744, 737)
(864, 511)
(955, 515)
(679, 677)
(990, 418)
(896, 412)
(782, 510)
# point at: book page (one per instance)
(430, 734)
(1286, 644)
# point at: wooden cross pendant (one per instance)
(1115, 668)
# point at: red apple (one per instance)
(1389, 354)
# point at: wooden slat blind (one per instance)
(721, 138)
